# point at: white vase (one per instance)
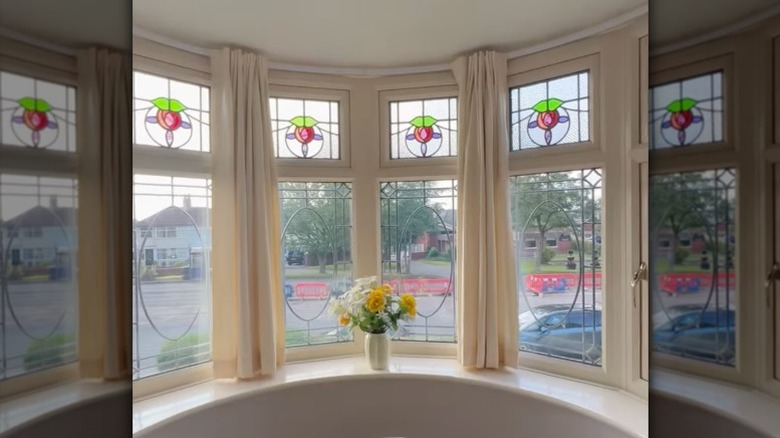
(377, 348)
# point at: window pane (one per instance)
(687, 112)
(693, 285)
(37, 113)
(424, 128)
(304, 128)
(170, 113)
(418, 254)
(317, 265)
(172, 274)
(559, 285)
(38, 247)
(550, 112)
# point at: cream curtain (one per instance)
(105, 189)
(246, 220)
(487, 310)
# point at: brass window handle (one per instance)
(638, 274)
(774, 274)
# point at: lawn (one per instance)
(314, 271)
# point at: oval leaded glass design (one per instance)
(692, 271)
(316, 259)
(37, 114)
(687, 112)
(38, 282)
(552, 112)
(556, 220)
(305, 128)
(171, 273)
(424, 128)
(170, 113)
(418, 254)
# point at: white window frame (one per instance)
(27, 60)
(159, 60)
(608, 60)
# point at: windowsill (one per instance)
(743, 405)
(608, 405)
(25, 408)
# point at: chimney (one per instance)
(53, 201)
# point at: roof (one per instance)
(40, 216)
(177, 217)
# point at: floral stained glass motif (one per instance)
(305, 128)
(170, 114)
(423, 128)
(550, 113)
(687, 112)
(37, 114)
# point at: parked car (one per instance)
(698, 333)
(557, 331)
(339, 287)
(294, 257)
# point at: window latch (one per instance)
(774, 274)
(638, 274)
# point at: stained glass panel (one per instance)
(424, 128)
(556, 221)
(317, 262)
(692, 270)
(305, 128)
(171, 273)
(37, 114)
(170, 113)
(551, 112)
(687, 112)
(418, 226)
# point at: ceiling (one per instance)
(359, 33)
(674, 21)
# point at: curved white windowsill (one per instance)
(751, 408)
(611, 406)
(27, 408)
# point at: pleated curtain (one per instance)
(105, 90)
(487, 307)
(247, 304)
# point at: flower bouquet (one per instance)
(374, 309)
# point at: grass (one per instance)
(314, 271)
(169, 278)
(691, 265)
(42, 277)
(436, 262)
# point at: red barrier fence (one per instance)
(563, 282)
(311, 290)
(694, 282)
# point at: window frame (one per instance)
(155, 160)
(410, 94)
(35, 62)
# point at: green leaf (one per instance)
(304, 122)
(32, 104)
(547, 105)
(166, 104)
(683, 104)
(423, 121)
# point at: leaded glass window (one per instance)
(169, 113)
(36, 113)
(171, 273)
(317, 259)
(424, 128)
(692, 271)
(418, 225)
(305, 128)
(38, 276)
(559, 286)
(551, 112)
(687, 112)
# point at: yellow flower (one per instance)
(408, 302)
(376, 301)
(344, 319)
(386, 289)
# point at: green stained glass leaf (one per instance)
(32, 104)
(304, 121)
(166, 104)
(547, 105)
(423, 121)
(683, 104)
